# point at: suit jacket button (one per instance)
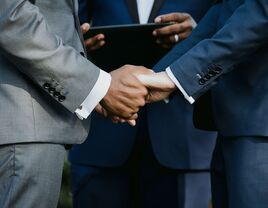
(61, 98)
(51, 90)
(202, 81)
(46, 85)
(56, 94)
(206, 77)
(217, 70)
(212, 73)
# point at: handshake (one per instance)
(131, 88)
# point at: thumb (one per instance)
(85, 28)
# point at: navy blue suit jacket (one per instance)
(176, 143)
(231, 60)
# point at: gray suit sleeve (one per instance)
(27, 41)
(241, 36)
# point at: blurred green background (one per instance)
(65, 200)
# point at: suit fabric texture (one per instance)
(230, 61)
(174, 144)
(44, 79)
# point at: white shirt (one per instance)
(103, 83)
(144, 10)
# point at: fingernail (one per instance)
(158, 19)
(154, 33)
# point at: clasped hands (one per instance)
(131, 88)
(134, 86)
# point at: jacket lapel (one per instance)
(156, 7)
(133, 10)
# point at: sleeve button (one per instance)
(56, 94)
(206, 77)
(202, 81)
(61, 98)
(46, 85)
(212, 73)
(51, 90)
(217, 70)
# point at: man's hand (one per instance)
(99, 109)
(95, 42)
(126, 94)
(160, 86)
(180, 30)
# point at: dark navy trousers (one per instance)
(141, 183)
(240, 172)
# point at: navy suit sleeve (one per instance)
(243, 33)
(206, 29)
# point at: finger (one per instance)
(115, 119)
(172, 17)
(132, 122)
(95, 39)
(105, 113)
(170, 30)
(169, 40)
(185, 35)
(124, 111)
(133, 117)
(85, 28)
(97, 46)
(156, 81)
(139, 69)
(158, 96)
(99, 109)
(95, 42)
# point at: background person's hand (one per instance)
(95, 42)
(168, 36)
(126, 94)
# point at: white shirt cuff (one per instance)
(190, 99)
(95, 96)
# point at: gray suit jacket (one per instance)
(43, 74)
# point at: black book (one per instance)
(127, 44)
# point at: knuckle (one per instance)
(145, 91)
(186, 15)
(143, 102)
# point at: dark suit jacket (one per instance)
(232, 62)
(175, 142)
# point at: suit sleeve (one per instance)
(243, 33)
(205, 29)
(28, 43)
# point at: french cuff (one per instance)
(190, 99)
(95, 96)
